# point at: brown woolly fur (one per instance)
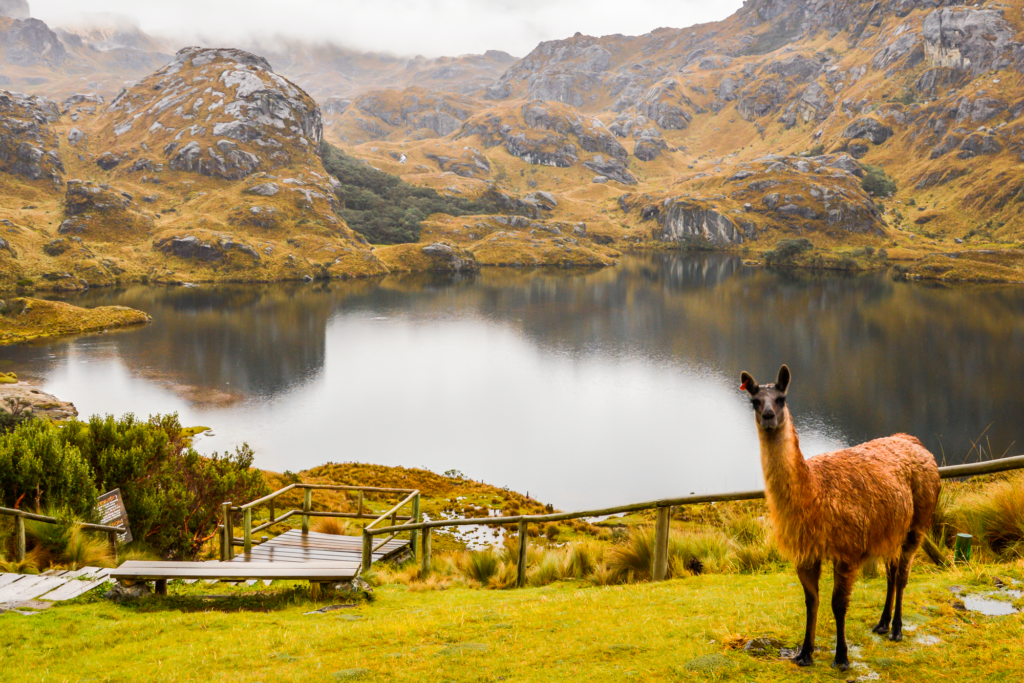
(849, 505)
(875, 500)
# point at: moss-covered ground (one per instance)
(690, 629)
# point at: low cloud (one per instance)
(403, 27)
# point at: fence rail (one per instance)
(19, 529)
(226, 530)
(661, 529)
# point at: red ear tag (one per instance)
(743, 387)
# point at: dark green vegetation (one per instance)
(172, 493)
(876, 182)
(384, 208)
(786, 250)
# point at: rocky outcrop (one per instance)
(192, 247)
(869, 128)
(220, 113)
(30, 42)
(98, 210)
(28, 144)
(687, 222)
(969, 39)
(472, 164)
(610, 168)
(449, 258)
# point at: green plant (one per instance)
(875, 181)
(816, 150)
(39, 468)
(25, 282)
(786, 250)
(480, 565)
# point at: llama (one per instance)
(875, 500)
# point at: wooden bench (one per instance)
(315, 572)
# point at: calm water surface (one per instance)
(584, 389)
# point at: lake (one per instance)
(584, 389)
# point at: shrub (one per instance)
(480, 565)
(875, 181)
(38, 468)
(786, 250)
(816, 151)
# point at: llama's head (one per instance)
(769, 400)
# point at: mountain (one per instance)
(845, 134)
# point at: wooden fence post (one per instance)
(307, 505)
(367, 550)
(19, 532)
(226, 538)
(415, 520)
(360, 503)
(272, 516)
(661, 529)
(112, 542)
(247, 530)
(425, 554)
(521, 566)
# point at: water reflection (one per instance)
(582, 388)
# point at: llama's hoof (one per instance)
(802, 660)
(896, 636)
(881, 629)
(841, 665)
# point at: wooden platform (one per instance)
(62, 585)
(293, 546)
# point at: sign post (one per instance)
(112, 512)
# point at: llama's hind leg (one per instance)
(845, 575)
(890, 592)
(902, 576)
(809, 575)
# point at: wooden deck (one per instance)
(294, 546)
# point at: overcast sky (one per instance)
(403, 27)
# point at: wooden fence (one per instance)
(228, 540)
(661, 527)
(19, 529)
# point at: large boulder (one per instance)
(972, 40)
(870, 128)
(31, 42)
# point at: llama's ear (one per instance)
(748, 383)
(782, 383)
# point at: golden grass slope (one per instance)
(25, 318)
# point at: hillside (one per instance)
(883, 134)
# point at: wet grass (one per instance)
(683, 629)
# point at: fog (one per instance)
(403, 27)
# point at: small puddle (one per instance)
(987, 605)
(992, 604)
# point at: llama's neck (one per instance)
(788, 482)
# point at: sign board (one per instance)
(113, 513)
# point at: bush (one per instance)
(38, 469)
(384, 208)
(786, 250)
(172, 494)
(875, 181)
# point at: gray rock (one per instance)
(76, 135)
(969, 39)
(649, 148)
(610, 168)
(30, 42)
(543, 200)
(867, 127)
(189, 247)
(453, 262)
(121, 592)
(108, 161)
(264, 189)
(600, 179)
(684, 222)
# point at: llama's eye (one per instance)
(756, 403)
(781, 400)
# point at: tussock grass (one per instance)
(333, 525)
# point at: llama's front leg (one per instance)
(890, 592)
(845, 575)
(809, 575)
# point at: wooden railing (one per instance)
(19, 529)
(661, 527)
(228, 540)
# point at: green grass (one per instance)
(683, 629)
